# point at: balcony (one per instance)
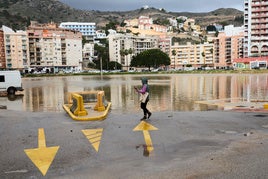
(259, 38)
(258, 16)
(259, 22)
(228, 61)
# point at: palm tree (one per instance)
(124, 53)
(129, 52)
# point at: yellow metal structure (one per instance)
(265, 106)
(100, 97)
(80, 107)
(77, 107)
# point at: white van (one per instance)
(10, 81)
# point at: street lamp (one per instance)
(101, 66)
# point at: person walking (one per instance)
(144, 98)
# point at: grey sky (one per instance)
(168, 5)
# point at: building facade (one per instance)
(54, 48)
(2, 51)
(164, 44)
(119, 43)
(228, 46)
(88, 54)
(256, 28)
(88, 29)
(191, 55)
(16, 49)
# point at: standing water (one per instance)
(178, 92)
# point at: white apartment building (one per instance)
(173, 22)
(88, 29)
(16, 49)
(194, 55)
(88, 54)
(256, 28)
(54, 48)
(121, 42)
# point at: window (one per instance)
(2, 78)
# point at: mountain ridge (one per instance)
(17, 14)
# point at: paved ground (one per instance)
(208, 144)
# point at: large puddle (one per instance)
(178, 92)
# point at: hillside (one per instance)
(18, 14)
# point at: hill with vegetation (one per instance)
(17, 14)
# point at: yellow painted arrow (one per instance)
(42, 156)
(94, 137)
(145, 127)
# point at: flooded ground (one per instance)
(178, 92)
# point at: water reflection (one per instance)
(168, 92)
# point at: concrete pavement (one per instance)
(198, 144)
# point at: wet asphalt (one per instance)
(199, 144)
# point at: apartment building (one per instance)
(2, 50)
(16, 49)
(54, 48)
(88, 29)
(228, 46)
(256, 29)
(191, 55)
(121, 42)
(88, 54)
(145, 20)
(164, 44)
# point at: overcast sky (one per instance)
(168, 5)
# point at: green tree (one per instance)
(150, 58)
(124, 53)
(128, 31)
(102, 53)
(84, 40)
(123, 24)
(111, 25)
(114, 66)
(91, 65)
(211, 28)
(161, 21)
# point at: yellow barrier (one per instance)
(79, 104)
(87, 96)
(265, 106)
(77, 107)
(100, 99)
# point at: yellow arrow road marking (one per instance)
(42, 156)
(145, 127)
(94, 137)
(148, 141)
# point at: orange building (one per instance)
(228, 46)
